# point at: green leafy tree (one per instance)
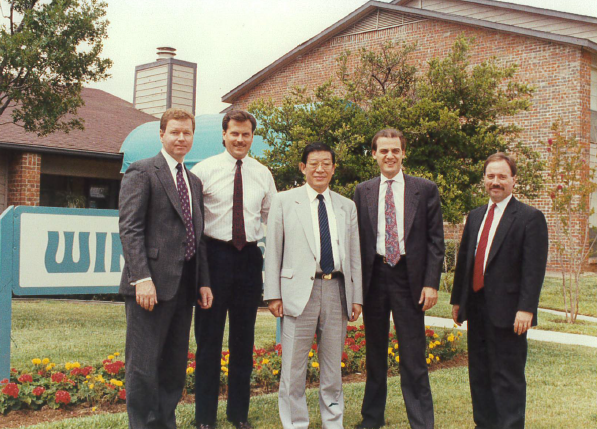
(48, 51)
(454, 116)
(570, 181)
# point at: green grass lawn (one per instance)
(551, 294)
(560, 394)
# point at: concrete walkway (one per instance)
(534, 334)
(563, 314)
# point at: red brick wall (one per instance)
(559, 73)
(24, 173)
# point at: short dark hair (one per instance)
(501, 156)
(239, 116)
(317, 147)
(390, 133)
(177, 114)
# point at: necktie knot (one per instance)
(320, 197)
(239, 163)
(179, 167)
(389, 182)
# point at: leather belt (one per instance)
(330, 276)
(385, 261)
(248, 243)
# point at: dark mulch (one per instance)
(15, 419)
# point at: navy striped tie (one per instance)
(327, 256)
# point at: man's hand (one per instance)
(356, 312)
(147, 297)
(522, 322)
(206, 298)
(428, 298)
(455, 309)
(276, 308)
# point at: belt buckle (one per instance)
(327, 276)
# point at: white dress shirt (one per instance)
(172, 163)
(497, 216)
(398, 190)
(312, 194)
(217, 174)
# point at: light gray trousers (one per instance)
(322, 315)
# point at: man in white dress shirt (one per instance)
(313, 281)
(237, 192)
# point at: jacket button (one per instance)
(312, 278)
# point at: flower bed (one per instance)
(45, 383)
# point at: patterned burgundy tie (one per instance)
(239, 239)
(478, 272)
(392, 240)
(183, 194)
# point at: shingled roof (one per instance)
(108, 121)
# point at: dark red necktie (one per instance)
(183, 194)
(239, 239)
(478, 274)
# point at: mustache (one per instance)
(497, 187)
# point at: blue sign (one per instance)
(55, 251)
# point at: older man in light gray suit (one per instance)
(313, 281)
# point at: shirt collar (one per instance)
(232, 160)
(312, 193)
(172, 163)
(398, 178)
(502, 204)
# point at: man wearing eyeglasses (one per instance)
(313, 282)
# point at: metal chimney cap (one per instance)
(166, 52)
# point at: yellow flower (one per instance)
(310, 354)
(275, 372)
(315, 365)
(437, 343)
(397, 358)
(342, 365)
(116, 382)
(111, 357)
(45, 361)
(227, 357)
(435, 336)
(431, 345)
(116, 354)
(49, 367)
(36, 361)
(459, 334)
(76, 365)
(85, 382)
(91, 385)
(428, 361)
(455, 325)
(224, 369)
(450, 338)
(430, 355)
(390, 350)
(426, 327)
(190, 370)
(437, 358)
(100, 379)
(396, 345)
(223, 362)
(93, 408)
(265, 361)
(67, 366)
(88, 377)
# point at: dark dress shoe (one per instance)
(368, 426)
(242, 425)
(202, 426)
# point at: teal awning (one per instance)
(144, 141)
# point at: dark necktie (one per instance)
(327, 256)
(239, 239)
(183, 194)
(392, 240)
(478, 275)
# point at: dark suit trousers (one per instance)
(157, 345)
(497, 358)
(237, 282)
(390, 292)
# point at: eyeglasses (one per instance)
(326, 165)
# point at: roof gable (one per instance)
(361, 20)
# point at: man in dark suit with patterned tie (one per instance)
(402, 250)
(165, 271)
(499, 273)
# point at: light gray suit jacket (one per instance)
(290, 254)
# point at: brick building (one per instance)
(556, 53)
(81, 168)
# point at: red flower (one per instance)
(227, 352)
(363, 343)
(190, 356)
(429, 333)
(41, 372)
(76, 371)
(87, 370)
(314, 347)
(58, 377)
(193, 365)
(26, 378)
(362, 327)
(62, 396)
(105, 361)
(13, 370)
(122, 394)
(358, 335)
(11, 389)
(351, 328)
(349, 341)
(110, 386)
(344, 356)
(390, 335)
(38, 391)
(114, 367)
(355, 348)
(560, 187)
(4, 381)
(550, 141)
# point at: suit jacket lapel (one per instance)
(340, 214)
(502, 229)
(373, 202)
(303, 210)
(411, 202)
(195, 197)
(165, 177)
